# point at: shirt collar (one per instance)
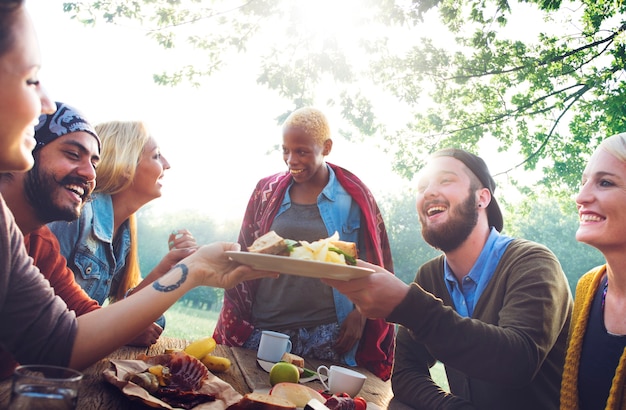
(329, 191)
(481, 265)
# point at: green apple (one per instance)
(284, 372)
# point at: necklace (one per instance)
(606, 287)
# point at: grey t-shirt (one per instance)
(292, 302)
(35, 325)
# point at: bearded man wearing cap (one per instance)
(493, 309)
(55, 189)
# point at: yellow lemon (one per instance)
(284, 372)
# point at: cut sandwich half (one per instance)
(271, 243)
(293, 359)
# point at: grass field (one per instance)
(190, 324)
(183, 322)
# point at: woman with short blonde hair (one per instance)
(311, 200)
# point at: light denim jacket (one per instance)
(87, 244)
(340, 214)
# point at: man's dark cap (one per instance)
(64, 120)
(479, 168)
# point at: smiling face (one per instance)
(600, 203)
(304, 155)
(446, 203)
(22, 99)
(63, 177)
(150, 169)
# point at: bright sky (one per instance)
(216, 137)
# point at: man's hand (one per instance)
(350, 332)
(375, 295)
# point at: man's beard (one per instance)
(39, 188)
(449, 236)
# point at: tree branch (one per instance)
(576, 96)
(539, 63)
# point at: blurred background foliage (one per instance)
(546, 220)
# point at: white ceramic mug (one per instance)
(273, 346)
(342, 380)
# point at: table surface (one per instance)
(245, 375)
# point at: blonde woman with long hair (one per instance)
(101, 247)
(595, 366)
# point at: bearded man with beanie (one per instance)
(493, 309)
(55, 189)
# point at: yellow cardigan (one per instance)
(585, 291)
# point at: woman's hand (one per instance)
(181, 244)
(218, 270)
(208, 266)
(148, 337)
(181, 239)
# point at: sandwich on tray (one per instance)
(324, 250)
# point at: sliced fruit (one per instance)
(201, 347)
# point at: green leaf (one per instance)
(350, 260)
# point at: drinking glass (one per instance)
(44, 387)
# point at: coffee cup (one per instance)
(44, 387)
(342, 380)
(273, 346)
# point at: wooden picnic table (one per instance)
(245, 376)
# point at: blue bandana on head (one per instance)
(65, 120)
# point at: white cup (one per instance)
(273, 346)
(342, 380)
